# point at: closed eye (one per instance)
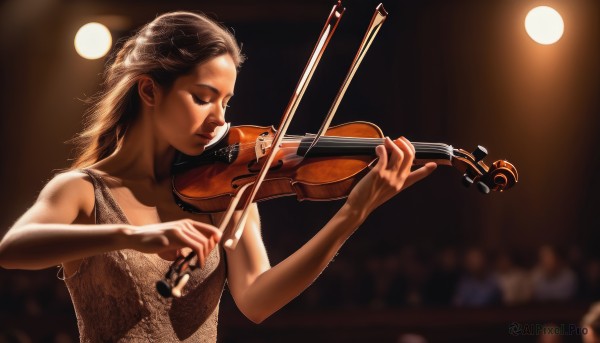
(199, 101)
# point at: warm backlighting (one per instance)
(92, 41)
(544, 25)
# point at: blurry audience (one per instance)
(393, 277)
(478, 286)
(378, 282)
(409, 280)
(552, 279)
(404, 277)
(410, 277)
(445, 272)
(514, 280)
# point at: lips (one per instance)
(205, 138)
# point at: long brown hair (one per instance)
(166, 48)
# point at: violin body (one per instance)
(328, 171)
(310, 178)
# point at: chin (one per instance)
(194, 151)
(191, 149)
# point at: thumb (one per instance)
(420, 174)
(169, 255)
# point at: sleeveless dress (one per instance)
(115, 297)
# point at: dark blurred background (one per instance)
(439, 263)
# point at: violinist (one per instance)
(111, 222)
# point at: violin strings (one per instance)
(349, 143)
(418, 148)
(362, 142)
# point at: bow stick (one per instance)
(378, 18)
(182, 266)
(324, 37)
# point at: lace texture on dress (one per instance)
(115, 297)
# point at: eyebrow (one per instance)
(212, 89)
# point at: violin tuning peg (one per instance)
(467, 181)
(480, 153)
(483, 188)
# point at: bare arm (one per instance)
(260, 290)
(59, 228)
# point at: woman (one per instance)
(111, 221)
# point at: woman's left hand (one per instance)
(389, 176)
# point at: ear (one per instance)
(147, 90)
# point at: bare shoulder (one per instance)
(71, 190)
(72, 182)
(67, 198)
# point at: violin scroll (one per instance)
(501, 176)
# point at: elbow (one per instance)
(256, 318)
(7, 265)
(5, 261)
(257, 321)
(14, 256)
(254, 313)
(10, 260)
(256, 304)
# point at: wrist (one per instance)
(355, 213)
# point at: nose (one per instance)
(217, 117)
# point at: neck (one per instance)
(348, 146)
(141, 155)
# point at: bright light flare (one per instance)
(544, 25)
(92, 41)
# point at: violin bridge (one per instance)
(262, 145)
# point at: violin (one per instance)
(323, 170)
(328, 171)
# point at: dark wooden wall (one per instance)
(462, 72)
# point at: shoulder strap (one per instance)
(106, 209)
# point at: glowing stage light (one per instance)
(92, 41)
(544, 25)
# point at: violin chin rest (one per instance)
(221, 132)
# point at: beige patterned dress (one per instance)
(115, 297)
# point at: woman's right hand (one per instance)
(167, 239)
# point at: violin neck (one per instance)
(329, 146)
